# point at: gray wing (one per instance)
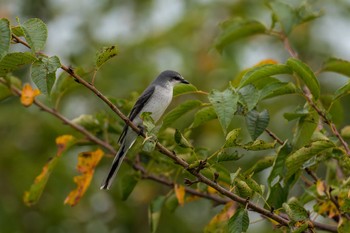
(140, 103)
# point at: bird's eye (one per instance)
(177, 78)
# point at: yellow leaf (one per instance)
(328, 208)
(87, 161)
(28, 95)
(212, 190)
(63, 142)
(320, 187)
(180, 194)
(220, 219)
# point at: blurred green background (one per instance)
(152, 35)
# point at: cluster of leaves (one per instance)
(316, 141)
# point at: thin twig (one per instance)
(274, 136)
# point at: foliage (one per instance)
(314, 156)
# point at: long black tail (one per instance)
(114, 169)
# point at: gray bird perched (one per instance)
(155, 99)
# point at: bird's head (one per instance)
(170, 77)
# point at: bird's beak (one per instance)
(185, 81)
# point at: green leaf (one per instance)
(249, 96)
(260, 165)
(203, 115)
(257, 122)
(44, 73)
(278, 89)
(127, 184)
(4, 92)
(149, 145)
(13, 61)
(259, 145)
(344, 225)
(345, 207)
(305, 129)
(337, 65)
(239, 222)
(278, 167)
(181, 140)
(235, 29)
(298, 113)
(32, 196)
(290, 17)
(89, 122)
(231, 138)
(295, 161)
(182, 89)
(277, 196)
(5, 37)
(225, 105)
(180, 110)
(104, 54)
(252, 184)
(17, 30)
(35, 32)
(171, 202)
(284, 14)
(342, 91)
(62, 84)
(306, 74)
(154, 212)
(263, 72)
(295, 210)
(148, 121)
(242, 189)
(228, 154)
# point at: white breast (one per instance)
(159, 102)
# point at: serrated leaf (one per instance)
(203, 115)
(180, 110)
(32, 196)
(127, 184)
(182, 89)
(239, 222)
(235, 29)
(43, 73)
(257, 122)
(35, 32)
(154, 212)
(290, 17)
(253, 184)
(13, 61)
(225, 105)
(228, 154)
(17, 30)
(262, 72)
(306, 74)
(231, 138)
(249, 96)
(295, 161)
(5, 37)
(104, 54)
(279, 168)
(337, 65)
(181, 140)
(295, 210)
